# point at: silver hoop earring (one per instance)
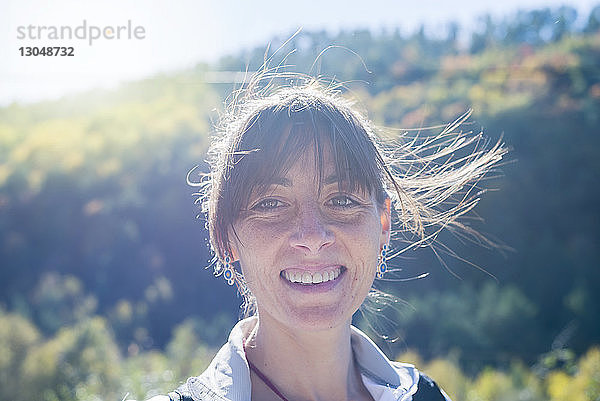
(228, 272)
(382, 261)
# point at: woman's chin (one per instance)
(311, 318)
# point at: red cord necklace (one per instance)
(262, 376)
(265, 379)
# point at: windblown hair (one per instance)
(432, 181)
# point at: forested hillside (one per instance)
(104, 287)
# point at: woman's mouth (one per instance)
(299, 276)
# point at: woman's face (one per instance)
(309, 256)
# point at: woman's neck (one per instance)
(304, 365)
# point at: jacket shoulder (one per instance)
(178, 395)
(193, 389)
(428, 390)
(157, 398)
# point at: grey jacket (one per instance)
(227, 378)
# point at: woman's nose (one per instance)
(312, 233)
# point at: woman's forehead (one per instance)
(307, 172)
(320, 165)
(317, 154)
(291, 178)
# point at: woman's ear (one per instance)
(386, 221)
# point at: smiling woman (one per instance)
(292, 235)
(301, 201)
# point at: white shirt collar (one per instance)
(228, 375)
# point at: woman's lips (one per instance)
(306, 277)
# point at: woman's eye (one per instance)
(342, 201)
(268, 204)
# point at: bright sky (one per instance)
(180, 33)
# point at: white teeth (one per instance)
(312, 278)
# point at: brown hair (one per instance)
(267, 128)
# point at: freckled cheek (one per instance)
(260, 234)
(258, 244)
(362, 243)
(267, 228)
(363, 236)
